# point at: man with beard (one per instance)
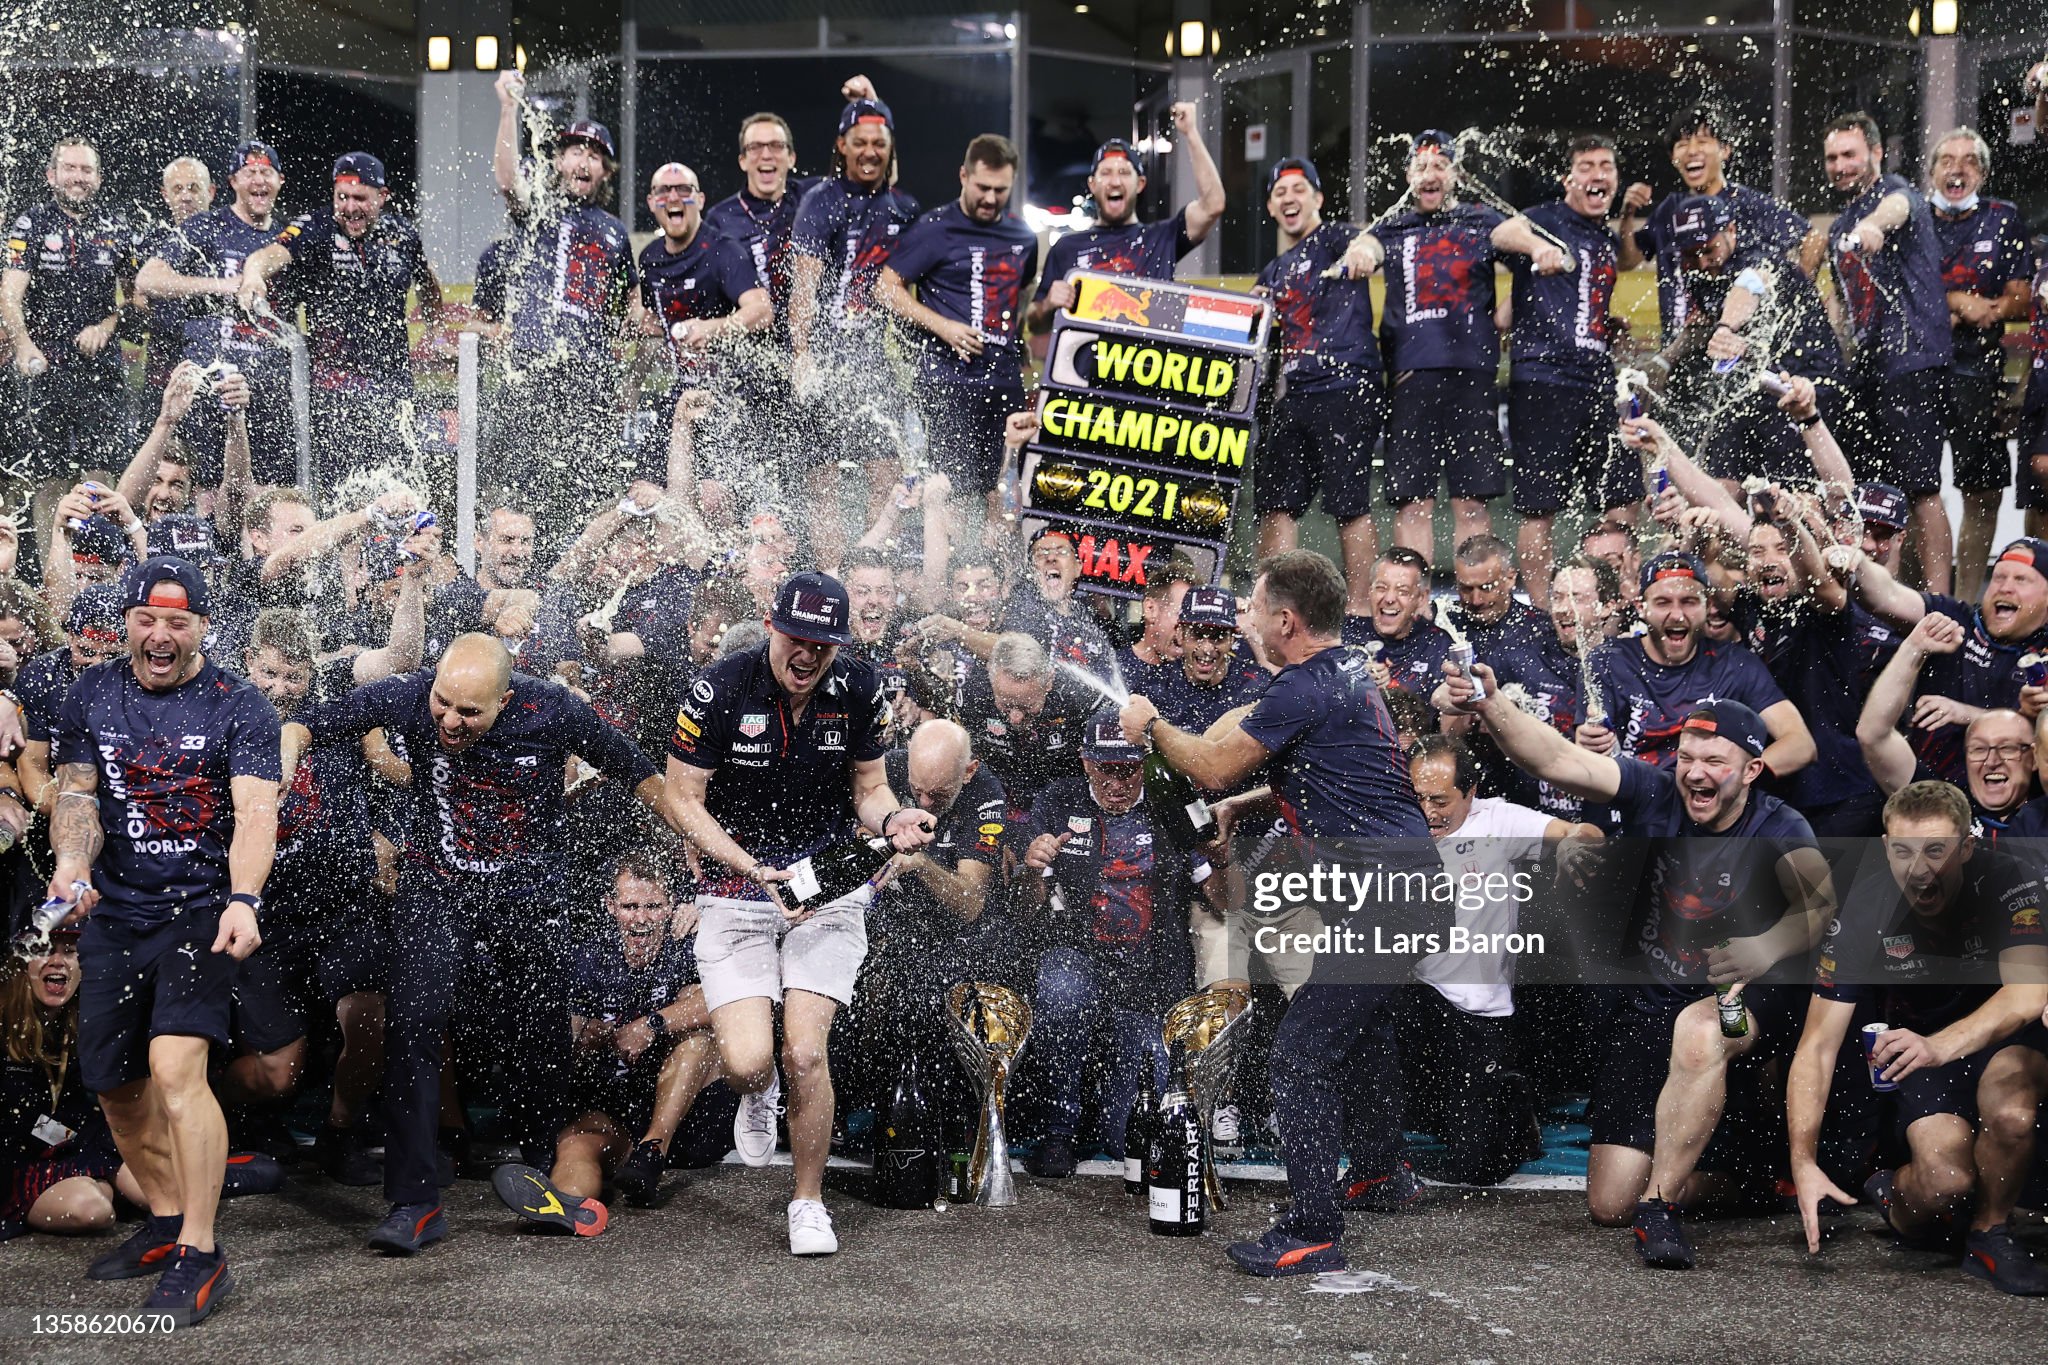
(203, 263)
(1891, 302)
(1442, 350)
(698, 290)
(1735, 885)
(1561, 255)
(502, 599)
(353, 263)
(1407, 652)
(1043, 607)
(59, 306)
(569, 278)
(1984, 671)
(871, 591)
(480, 880)
(1985, 267)
(1945, 934)
(970, 262)
(187, 188)
(846, 230)
(1119, 244)
(1585, 603)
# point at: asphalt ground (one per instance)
(1070, 1273)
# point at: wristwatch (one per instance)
(657, 1022)
(254, 902)
(1149, 742)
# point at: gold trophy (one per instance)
(990, 1024)
(1206, 1026)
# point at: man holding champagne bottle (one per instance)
(774, 748)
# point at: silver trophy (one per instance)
(989, 1025)
(1207, 1027)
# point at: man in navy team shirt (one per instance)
(94, 633)
(970, 262)
(1442, 350)
(1407, 651)
(481, 878)
(204, 260)
(1342, 787)
(1985, 265)
(1119, 244)
(1561, 255)
(354, 263)
(1333, 400)
(1215, 673)
(1891, 301)
(697, 289)
(846, 230)
(167, 773)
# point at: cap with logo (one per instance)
(169, 582)
(185, 535)
(1104, 740)
(359, 168)
(1116, 147)
(1294, 165)
(1883, 504)
(1050, 529)
(97, 610)
(1674, 564)
(1730, 720)
(100, 541)
(1437, 138)
(1699, 219)
(591, 131)
(813, 607)
(1209, 607)
(2028, 550)
(253, 153)
(858, 112)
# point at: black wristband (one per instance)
(250, 899)
(1813, 420)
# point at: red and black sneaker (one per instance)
(409, 1228)
(1994, 1254)
(250, 1173)
(537, 1200)
(1398, 1189)
(192, 1288)
(1660, 1241)
(146, 1252)
(1280, 1253)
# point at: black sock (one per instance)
(167, 1224)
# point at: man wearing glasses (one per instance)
(697, 289)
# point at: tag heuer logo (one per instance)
(1080, 824)
(754, 723)
(1898, 945)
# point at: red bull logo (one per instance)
(1105, 302)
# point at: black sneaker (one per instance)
(146, 1252)
(1660, 1241)
(343, 1157)
(409, 1228)
(639, 1175)
(192, 1287)
(1398, 1189)
(1279, 1253)
(1994, 1254)
(250, 1173)
(1053, 1160)
(539, 1201)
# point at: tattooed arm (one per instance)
(75, 834)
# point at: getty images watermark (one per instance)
(1334, 890)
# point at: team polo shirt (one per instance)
(1647, 702)
(1825, 662)
(1046, 749)
(702, 281)
(1984, 673)
(1415, 661)
(971, 272)
(762, 229)
(355, 290)
(214, 244)
(1896, 303)
(74, 266)
(1982, 251)
(1762, 224)
(852, 232)
(567, 277)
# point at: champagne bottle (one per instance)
(835, 870)
(1139, 1127)
(1178, 1204)
(908, 1155)
(1177, 809)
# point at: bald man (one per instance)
(481, 906)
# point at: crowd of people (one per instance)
(531, 853)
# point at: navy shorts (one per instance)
(1906, 422)
(1445, 427)
(1952, 1089)
(963, 430)
(2028, 491)
(1637, 1059)
(141, 981)
(1974, 441)
(1322, 440)
(304, 965)
(1568, 450)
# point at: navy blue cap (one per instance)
(360, 167)
(98, 606)
(591, 131)
(1209, 607)
(253, 153)
(1050, 528)
(1437, 138)
(101, 541)
(2028, 550)
(1699, 219)
(1104, 740)
(813, 607)
(1116, 146)
(185, 535)
(1295, 165)
(1882, 504)
(1674, 564)
(1730, 720)
(858, 112)
(167, 581)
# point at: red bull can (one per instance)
(1871, 1033)
(2035, 667)
(1462, 655)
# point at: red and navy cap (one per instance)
(1050, 528)
(1209, 607)
(1116, 147)
(858, 112)
(813, 607)
(359, 168)
(1730, 720)
(2031, 551)
(100, 541)
(1674, 564)
(253, 153)
(591, 131)
(1437, 138)
(1882, 505)
(184, 535)
(1699, 219)
(97, 610)
(169, 582)
(1295, 165)
(1104, 742)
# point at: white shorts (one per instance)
(746, 948)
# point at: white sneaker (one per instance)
(753, 1128)
(1224, 1125)
(810, 1229)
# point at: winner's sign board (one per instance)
(1145, 425)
